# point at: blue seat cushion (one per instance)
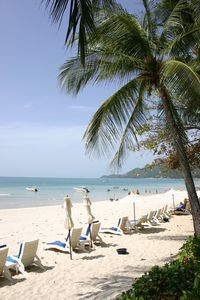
(57, 243)
(83, 238)
(114, 228)
(144, 216)
(11, 259)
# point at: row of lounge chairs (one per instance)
(27, 250)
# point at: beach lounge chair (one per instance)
(64, 245)
(149, 218)
(139, 223)
(166, 213)
(85, 239)
(164, 216)
(120, 229)
(182, 210)
(4, 270)
(27, 256)
(156, 217)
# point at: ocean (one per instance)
(51, 191)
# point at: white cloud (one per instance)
(82, 107)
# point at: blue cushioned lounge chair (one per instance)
(85, 239)
(120, 229)
(64, 245)
(26, 257)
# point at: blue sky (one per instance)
(41, 127)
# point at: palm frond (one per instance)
(195, 8)
(123, 34)
(129, 136)
(107, 124)
(185, 43)
(178, 20)
(177, 17)
(73, 76)
(80, 18)
(182, 81)
(100, 66)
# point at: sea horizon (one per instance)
(51, 190)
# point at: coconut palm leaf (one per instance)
(80, 16)
(181, 80)
(129, 136)
(184, 45)
(73, 76)
(100, 66)
(123, 34)
(106, 127)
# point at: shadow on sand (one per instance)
(168, 237)
(152, 230)
(112, 286)
(92, 257)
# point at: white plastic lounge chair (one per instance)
(85, 239)
(139, 223)
(4, 270)
(120, 229)
(166, 213)
(156, 217)
(26, 257)
(64, 245)
(164, 216)
(149, 219)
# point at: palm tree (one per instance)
(145, 60)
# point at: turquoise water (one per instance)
(51, 191)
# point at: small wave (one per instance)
(3, 195)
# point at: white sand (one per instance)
(100, 274)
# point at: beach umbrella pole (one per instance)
(173, 202)
(70, 246)
(90, 236)
(134, 215)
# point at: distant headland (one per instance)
(153, 171)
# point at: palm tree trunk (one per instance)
(194, 201)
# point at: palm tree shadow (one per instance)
(152, 230)
(92, 257)
(169, 237)
(110, 287)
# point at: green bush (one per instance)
(179, 279)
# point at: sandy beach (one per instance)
(101, 273)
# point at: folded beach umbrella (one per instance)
(87, 203)
(68, 220)
(171, 193)
(133, 199)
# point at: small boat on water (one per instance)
(32, 189)
(82, 189)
